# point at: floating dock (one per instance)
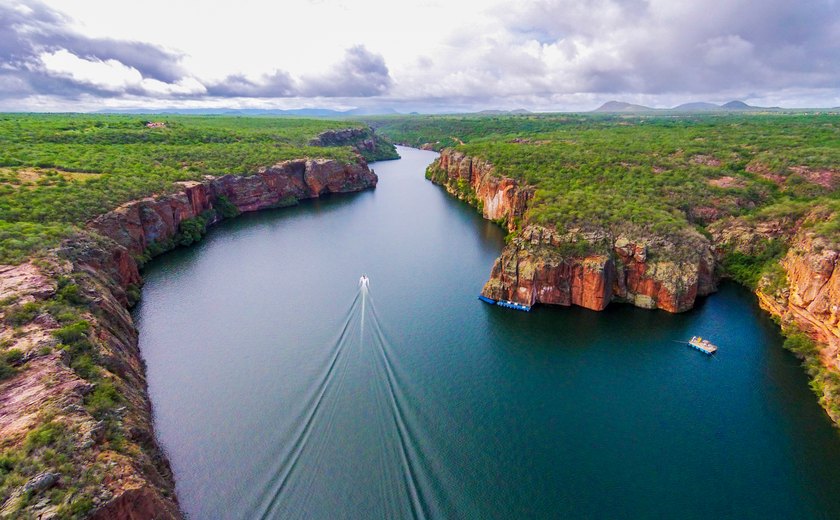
(505, 303)
(703, 345)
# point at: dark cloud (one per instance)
(360, 74)
(151, 61)
(279, 84)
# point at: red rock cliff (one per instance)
(475, 180)
(137, 480)
(543, 265)
(138, 224)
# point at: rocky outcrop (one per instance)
(588, 268)
(592, 269)
(118, 444)
(364, 140)
(805, 289)
(811, 296)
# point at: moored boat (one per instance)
(703, 345)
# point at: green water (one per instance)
(281, 391)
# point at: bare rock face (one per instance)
(543, 265)
(499, 198)
(137, 504)
(811, 296)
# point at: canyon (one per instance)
(127, 474)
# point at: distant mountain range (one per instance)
(622, 107)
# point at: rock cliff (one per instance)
(589, 268)
(79, 385)
(475, 180)
(802, 292)
(365, 140)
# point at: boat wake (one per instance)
(361, 438)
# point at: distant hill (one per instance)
(736, 105)
(698, 106)
(620, 106)
(504, 112)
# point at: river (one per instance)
(282, 390)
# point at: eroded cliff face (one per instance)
(588, 268)
(475, 180)
(543, 266)
(132, 478)
(802, 292)
(139, 224)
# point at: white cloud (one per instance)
(108, 74)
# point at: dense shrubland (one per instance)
(662, 173)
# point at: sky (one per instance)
(416, 55)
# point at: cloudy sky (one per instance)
(425, 55)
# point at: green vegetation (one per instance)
(57, 171)
(661, 174)
(49, 447)
(824, 382)
(748, 269)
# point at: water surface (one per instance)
(280, 391)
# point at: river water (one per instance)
(283, 390)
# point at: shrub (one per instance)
(225, 207)
(72, 333)
(801, 345)
(45, 435)
(748, 268)
(71, 293)
(103, 398)
(14, 356)
(22, 314)
(6, 370)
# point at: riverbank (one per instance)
(75, 416)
